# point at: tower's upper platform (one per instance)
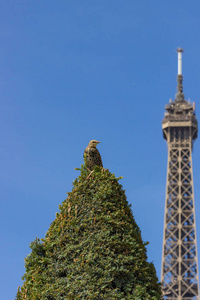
(179, 111)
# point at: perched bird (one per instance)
(92, 155)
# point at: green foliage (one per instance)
(92, 250)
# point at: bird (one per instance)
(92, 155)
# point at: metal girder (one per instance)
(179, 260)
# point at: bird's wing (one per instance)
(97, 157)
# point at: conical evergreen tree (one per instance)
(93, 249)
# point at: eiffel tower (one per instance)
(179, 274)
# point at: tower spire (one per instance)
(179, 95)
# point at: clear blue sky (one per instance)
(72, 71)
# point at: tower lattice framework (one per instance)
(179, 275)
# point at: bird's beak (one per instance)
(98, 142)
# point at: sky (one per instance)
(72, 71)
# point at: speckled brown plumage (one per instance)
(92, 155)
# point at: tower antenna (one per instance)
(180, 95)
(180, 51)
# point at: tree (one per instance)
(92, 250)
